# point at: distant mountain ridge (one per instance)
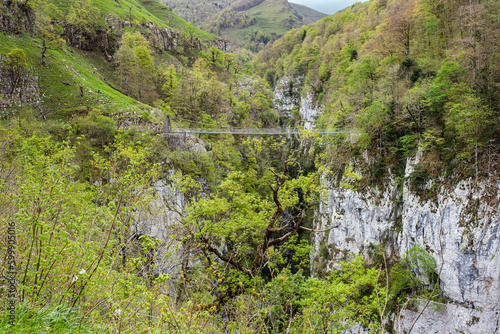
(309, 15)
(249, 23)
(243, 5)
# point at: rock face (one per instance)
(99, 41)
(452, 318)
(27, 90)
(287, 95)
(288, 98)
(458, 227)
(362, 222)
(222, 44)
(158, 223)
(16, 18)
(163, 39)
(308, 111)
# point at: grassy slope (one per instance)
(272, 17)
(79, 69)
(309, 15)
(142, 11)
(89, 69)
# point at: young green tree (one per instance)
(402, 26)
(136, 66)
(189, 33)
(230, 62)
(170, 82)
(468, 118)
(268, 76)
(244, 227)
(49, 29)
(15, 68)
(215, 57)
(82, 20)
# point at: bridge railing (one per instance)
(167, 128)
(250, 131)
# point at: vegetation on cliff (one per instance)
(121, 229)
(405, 75)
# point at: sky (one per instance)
(326, 6)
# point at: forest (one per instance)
(110, 225)
(402, 73)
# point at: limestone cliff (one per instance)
(459, 225)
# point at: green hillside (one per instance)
(307, 14)
(141, 11)
(271, 17)
(250, 23)
(78, 68)
(68, 68)
(406, 75)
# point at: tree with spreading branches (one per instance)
(248, 218)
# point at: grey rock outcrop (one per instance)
(16, 18)
(458, 227)
(288, 98)
(163, 38)
(222, 44)
(27, 90)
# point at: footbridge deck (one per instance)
(216, 129)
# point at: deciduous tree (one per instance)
(82, 20)
(136, 66)
(14, 69)
(49, 28)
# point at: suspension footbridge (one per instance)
(217, 129)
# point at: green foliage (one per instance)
(353, 293)
(170, 81)
(469, 119)
(419, 177)
(324, 72)
(59, 320)
(402, 281)
(285, 295)
(14, 69)
(66, 229)
(422, 264)
(49, 28)
(350, 178)
(268, 76)
(391, 74)
(215, 58)
(82, 19)
(99, 130)
(136, 66)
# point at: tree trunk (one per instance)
(42, 58)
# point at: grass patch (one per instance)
(30, 320)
